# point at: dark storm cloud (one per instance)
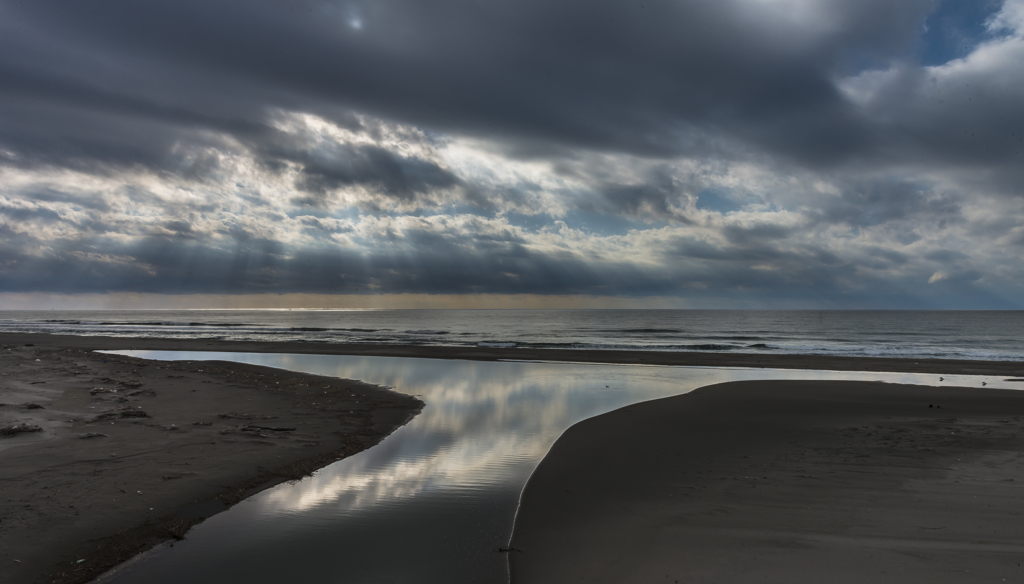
(886, 257)
(325, 169)
(434, 264)
(21, 214)
(654, 76)
(438, 265)
(866, 203)
(47, 118)
(657, 197)
(50, 195)
(418, 256)
(777, 148)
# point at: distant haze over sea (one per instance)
(991, 335)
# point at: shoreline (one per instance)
(61, 373)
(782, 481)
(679, 359)
(132, 453)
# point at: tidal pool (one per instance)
(435, 500)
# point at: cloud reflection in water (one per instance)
(440, 492)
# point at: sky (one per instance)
(650, 153)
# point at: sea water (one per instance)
(434, 501)
(988, 335)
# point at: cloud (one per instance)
(744, 151)
(112, 84)
(655, 77)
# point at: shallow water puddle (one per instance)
(435, 500)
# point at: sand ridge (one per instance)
(128, 447)
(783, 481)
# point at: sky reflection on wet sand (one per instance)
(436, 499)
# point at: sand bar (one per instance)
(783, 481)
(130, 453)
(687, 359)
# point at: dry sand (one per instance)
(783, 481)
(130, 453)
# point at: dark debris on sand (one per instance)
(15, 429)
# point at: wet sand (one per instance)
(685, 359)
(131, 453)
(783, 481)
(215, 433)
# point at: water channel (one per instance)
(435, 500)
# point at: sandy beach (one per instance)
(131, 453)
(783, 481)
(123, 454)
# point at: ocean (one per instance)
(980, 335)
